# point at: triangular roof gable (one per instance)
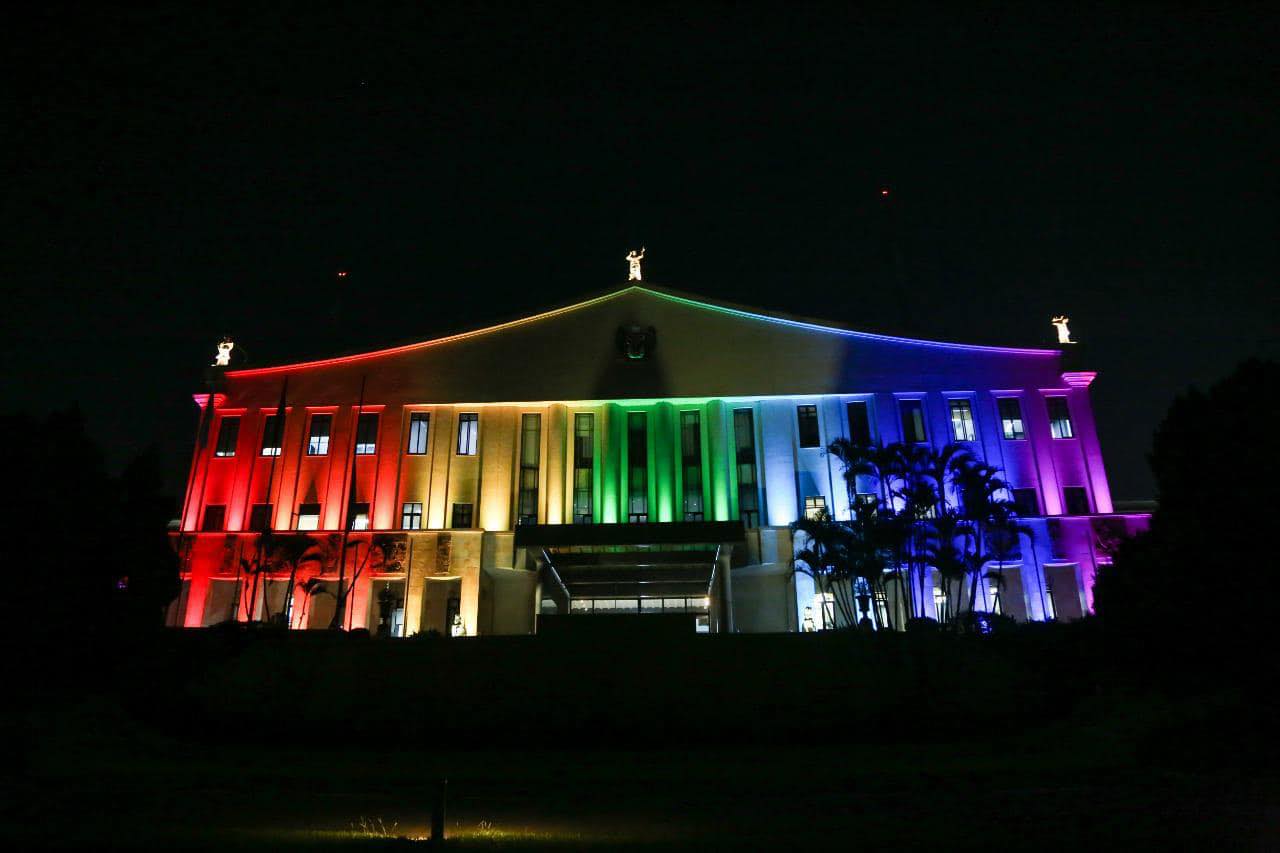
(691, 349)
(681, 297)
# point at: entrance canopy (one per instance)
(653, 565)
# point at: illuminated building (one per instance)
(640, 452)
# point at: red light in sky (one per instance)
(884, 192)
(342, 273)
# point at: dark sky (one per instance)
(172, 176)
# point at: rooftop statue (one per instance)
(1064, 334)
(635, 260)
(223, 358)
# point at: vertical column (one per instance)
(421, 546)
(495, 485)
(719, 462)
(390, 447)
(613, 463)
(441, 438)
(1036, 420)
(1081, 408)
(663, 450)
(553, 469)
(780, 462)
(196, 593)
(723, 572)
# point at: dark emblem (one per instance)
(637, 343)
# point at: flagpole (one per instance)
(348, 484)
(278, 447)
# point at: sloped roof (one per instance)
(693, 349)
(660, 292)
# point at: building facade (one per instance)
(641, 453)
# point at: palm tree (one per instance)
(826, 560)
(312, 587)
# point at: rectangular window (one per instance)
(807, 419)
(1011, 418)
(419, 429)
(411, 516)
(1025, 502)
(637, 467)
(318, 438)
(359, 517)
(1076, 499)
(691, 464)
(271, 425)
(961, 420)
(744, 440)
(461, 516)
(584, 427)
(309, 517)
(913, 431)
(859, 423)
(215, 516)
(468, 433)
(1059, 418)
(530, 449)
(260, 518)
(228, 432)
(367, 434)
(815, 506)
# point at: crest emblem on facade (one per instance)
(636, 342)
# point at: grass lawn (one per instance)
(200, 742)
(98, 779)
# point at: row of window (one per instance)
(308, 518)
(1027, 501)
(321, 427)
(1075, 500)
(914, 430)
(911, 413)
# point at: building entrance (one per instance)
(673, 574)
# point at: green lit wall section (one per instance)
(665, 487)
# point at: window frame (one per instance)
(1083, 493)
(1006, 421)
(407, 513)
(272, 423)
(322, 441)
(416, 418)
(588, 491)
(297, 525)
(864, 406)
(637, 461)
(254, 511)
(1036, 505)
(691, 466)
(472, 445)
(918, 403)
(808, 426)
(220, 510)
(527, 495)
(1058, 419)
(220, 449)
(468, 513)
(750, 517)
(366, 448)
(968, 420)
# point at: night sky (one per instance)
(174, 176)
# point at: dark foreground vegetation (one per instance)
(1151, 726)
